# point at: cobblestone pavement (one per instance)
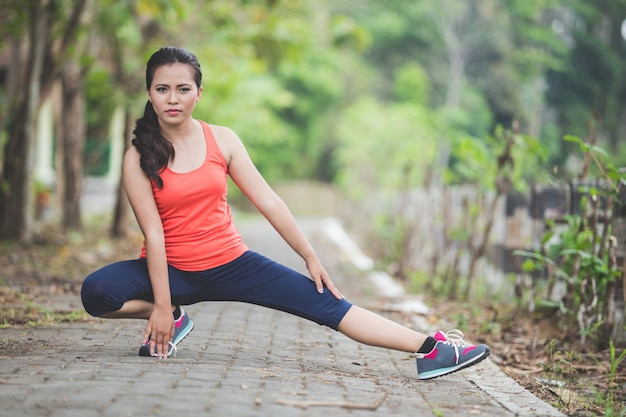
(244, 360)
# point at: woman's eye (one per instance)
(160, 89)
(185, 90)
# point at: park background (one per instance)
(474, 148)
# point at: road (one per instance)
(245, 360)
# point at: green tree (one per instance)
(386, 151)
(481, 55)
(46, 29)
(588, 93)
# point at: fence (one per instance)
(440, 218)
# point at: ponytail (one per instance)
(155, 151)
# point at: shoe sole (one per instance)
(144, 350)
(447, 371)
(185, 332)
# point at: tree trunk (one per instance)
(17, 196)
(17, 187)
(74, 131)
(13, 190)
(119, 226)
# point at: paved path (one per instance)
(244, 360)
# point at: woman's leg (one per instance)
(371, 329)
(255, 279)
(132, 309)
(105, 292)
(123, 290)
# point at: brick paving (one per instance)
(244, 360)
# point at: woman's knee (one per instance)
(102, 291)
(108, 288)
(92, 294)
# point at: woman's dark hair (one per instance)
(155, 150)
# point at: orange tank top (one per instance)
(197, 221)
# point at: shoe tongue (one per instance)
(440, 336)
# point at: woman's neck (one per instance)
(178, 132)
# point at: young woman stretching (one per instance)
(175, 177)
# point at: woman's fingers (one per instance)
(325, 281)
(158, 338)
(333, 289)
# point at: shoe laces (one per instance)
(456, 337)
(173, 348)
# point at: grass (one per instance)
(537, 350)
(40, 275)
(19, 309)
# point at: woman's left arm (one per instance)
(246, 176)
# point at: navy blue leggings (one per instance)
(251, 278)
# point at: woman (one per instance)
(175, 177)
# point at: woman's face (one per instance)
(174, 93)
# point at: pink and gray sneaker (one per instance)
(182, 326)
(450, 354)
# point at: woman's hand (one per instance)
(322, 279)
(160, 331)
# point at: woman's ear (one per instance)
(199, 94)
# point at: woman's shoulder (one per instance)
(221, 131)
(226, 139)
(132, 154)
(132, 158)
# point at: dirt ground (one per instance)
(40, 286)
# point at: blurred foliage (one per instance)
(385, 147)
(341, 91)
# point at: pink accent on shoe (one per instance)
(431, 355)
(468, 349)
(179, 322)
(440, 336)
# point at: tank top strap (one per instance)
(209, 138)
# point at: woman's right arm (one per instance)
(160, 329)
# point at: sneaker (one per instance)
(182, 327)
(450, 354)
